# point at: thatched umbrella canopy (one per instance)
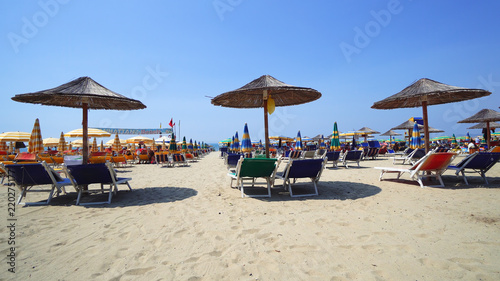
(367, 131)
(266, 91)
(426, 92)
(483, 125)
(82, 93)
(485, 115)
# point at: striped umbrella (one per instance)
(190, 145)
(246, 143)
(195, 146)
(298, 142)
(61, 146)
(184, 145)
(231, 146)
(454, 140)
(101, 148)
(236, 145)
(14, 136)
(415, 139)
(3, 146)
(11, 147)
(173, 145)
(321, 143)
(467, 137)
(94, 145)
(35, 142)
(335, 142)
(163, 145)
(116, 144)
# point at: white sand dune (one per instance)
(186, 223)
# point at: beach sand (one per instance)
(186, 223)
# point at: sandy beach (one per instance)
(186, 223)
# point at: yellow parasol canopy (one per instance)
(15, 136)
(91, 133)
(36, 142)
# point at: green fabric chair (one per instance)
(252, 168)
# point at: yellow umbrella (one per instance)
(49, 142)
(138, 139)
(116, 144)
(91, 133)
(3, 146)
(77, 143)
(61, 146)
(94, 145)
(102, 146)
(15, 136)
(35, 142)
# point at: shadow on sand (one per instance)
(136, 197)
(328, 190)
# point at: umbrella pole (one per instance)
(426, 126)
(85, 134)
(266, 124)
(488, 134)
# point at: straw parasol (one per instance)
(367, 131)
(82, 93)
(485, 115)
(267, 92)
(483, 125)
(36, 142)
(426, 92)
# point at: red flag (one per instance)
(172, 124)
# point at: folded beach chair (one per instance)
(351, 156)
(333, 156)
(433, 164)
(252, 168)
(103, 174)
(302, 168)
(478, 162)
(27, 176)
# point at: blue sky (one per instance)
(171, 55)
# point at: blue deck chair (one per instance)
(352, 156)
(223, 150)
(479, 162)
(26, 176)
(333, 156)
(302, 168)
(102, 173)
(231, 160)
(252, 168)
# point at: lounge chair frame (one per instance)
(252, 168)
(302, 168)
(478, 162)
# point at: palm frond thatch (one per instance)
(483, 125)
(251, 95)
(485, 115)
(74, 93)
(432, 91)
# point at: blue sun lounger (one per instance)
(479, 162)
(102, 173)
(302, 168)
(26, 176)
